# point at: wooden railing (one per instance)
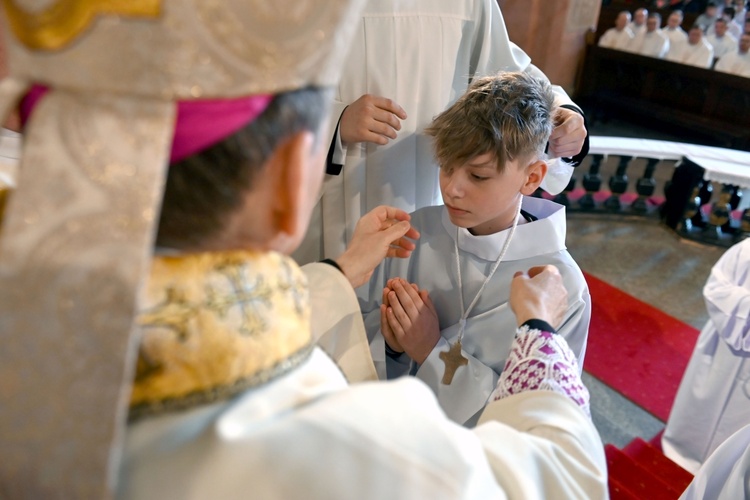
(695, 190)
(700, 101)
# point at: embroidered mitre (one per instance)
(77, 230)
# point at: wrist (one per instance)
(538, 324)
(333, 263)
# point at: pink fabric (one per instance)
(541, 361)
(199, 124)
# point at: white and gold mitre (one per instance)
(178, 49)
(77, 232)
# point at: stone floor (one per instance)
(644, 259)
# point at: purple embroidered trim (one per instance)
(541, 361)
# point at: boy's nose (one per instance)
(454, 186)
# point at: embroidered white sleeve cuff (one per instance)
(541, 361)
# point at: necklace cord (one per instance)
(506, 245)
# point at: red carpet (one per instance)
(635, 348)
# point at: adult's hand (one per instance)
(382, 232)
(539, 293)
(568, 135)
(372, 119)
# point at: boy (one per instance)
(490, 147)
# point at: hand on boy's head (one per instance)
(568, 135)
(539, 293)
(411, 319)
(382, 232)
(372, 119)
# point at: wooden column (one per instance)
(552, 33)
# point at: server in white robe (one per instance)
(738, 62)
(695, 51)
(726, 473)
(621, 36)
(432, 267)
(713, 400)
(418, 57)
(652, 42)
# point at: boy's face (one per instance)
(480, 198)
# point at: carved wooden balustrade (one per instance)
(695, 190)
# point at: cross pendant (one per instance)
(453, 359)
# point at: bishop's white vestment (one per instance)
(432, 266)
(307, 433)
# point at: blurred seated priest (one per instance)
(737, 62)
(638, 25)
(621, 36)
(695, 51)
(156, 337)
(652, 42)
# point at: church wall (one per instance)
(553, 33)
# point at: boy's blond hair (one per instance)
(508, 114)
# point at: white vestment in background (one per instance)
(701, 54)
(432, 266)
(722, 46)
(735, 63)
(676, 35)
(637, 30)
(617, 39)
(653, 44)
(726, 473)
(422, 54)
(713, 400)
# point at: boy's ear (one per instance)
(535, 174)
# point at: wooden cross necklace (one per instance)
(453, 358)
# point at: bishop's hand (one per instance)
(382, 232)
(412, 319)
(539, 293)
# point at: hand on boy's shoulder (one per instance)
(371, 118)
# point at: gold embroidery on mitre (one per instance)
(216, 324)
(58, 24)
